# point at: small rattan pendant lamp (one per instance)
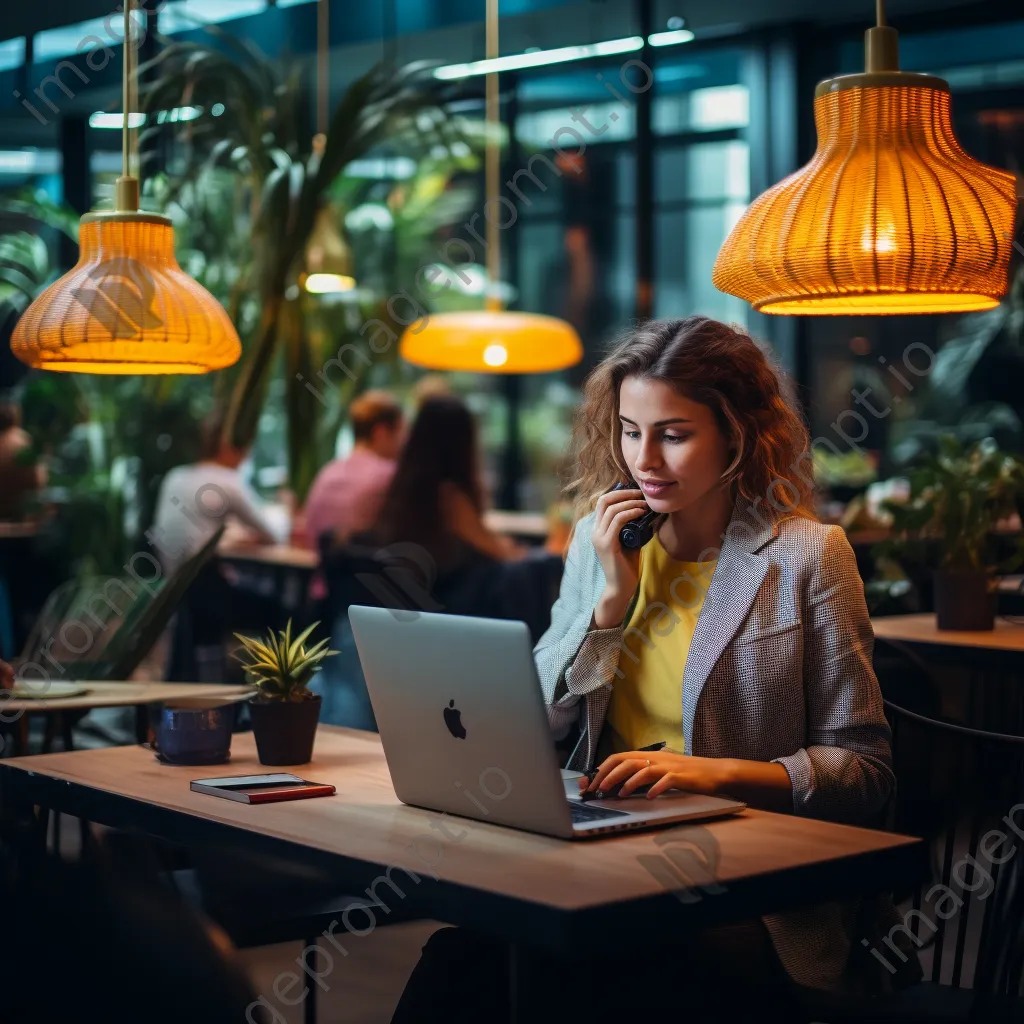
(492, 340)
(126, 307)
(889, 216)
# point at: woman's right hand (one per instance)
(621, 565)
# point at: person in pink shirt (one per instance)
(348, 493)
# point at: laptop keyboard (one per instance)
(583, 813)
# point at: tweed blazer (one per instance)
(779, 669)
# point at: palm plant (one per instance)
(253, 122)
(281, 667)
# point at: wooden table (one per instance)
(1007, 637)
(18, 531)
(526, 525)
(284, 555)
(525, 888)
(109, 695)
(986, 690)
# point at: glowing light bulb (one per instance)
(329, 284)
(882, 241)
(495, 355)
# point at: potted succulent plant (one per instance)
(957, 499)
(284, 711)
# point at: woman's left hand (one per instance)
(661, 771)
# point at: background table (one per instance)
(990, 662)
(109, 695)
(923, 630)
(526, 888)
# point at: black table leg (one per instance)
(514, 980)
(141, 723)
(309, 1009)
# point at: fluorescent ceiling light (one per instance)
(188, 15)
(540, 58)
(136, 120)
(679, 35)
(29, 161)
(115, 121)
(83, 37)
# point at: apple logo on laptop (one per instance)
(453, 719)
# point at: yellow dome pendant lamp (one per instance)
(492, 340)
(889, 216)
(126, 307)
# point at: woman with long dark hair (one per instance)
(436, 497)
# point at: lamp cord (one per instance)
(126, 92)
(492, 162)
(323, 65)
(126, 194)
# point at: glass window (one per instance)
(186, 15)
(12, 53)
(84, 36)
(701, 188)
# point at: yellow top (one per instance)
(647, 700)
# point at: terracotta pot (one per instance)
(964, 600)
(284, 730)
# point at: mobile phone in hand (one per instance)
(640, 531)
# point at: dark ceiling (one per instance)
(18, 19)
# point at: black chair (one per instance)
(402, 576)
(962, 790)
(905, 677)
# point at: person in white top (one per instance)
(195, 500)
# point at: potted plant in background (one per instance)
(284, 712)
(956, 501)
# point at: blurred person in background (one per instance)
(195, 500)
(193, 503)
(436, 499)
(21, 472)
(348, 493)
(429, 549)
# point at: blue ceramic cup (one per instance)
(194, 735)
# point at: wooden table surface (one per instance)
(284, 555)
(922, 629)
(758, 859)
(519, 524)
(122, 695)
(18, 531)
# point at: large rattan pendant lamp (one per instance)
(126, 307)
(492, 340)
(889, 216)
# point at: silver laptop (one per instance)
(464, 728)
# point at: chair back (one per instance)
(962, 789)
(102, 629)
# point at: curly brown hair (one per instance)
(720, 366)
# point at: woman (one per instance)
(430, 550)
(738, 636)
(436, 496)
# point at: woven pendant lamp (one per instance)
(889, 216)
(492, 340)
(126, 307)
